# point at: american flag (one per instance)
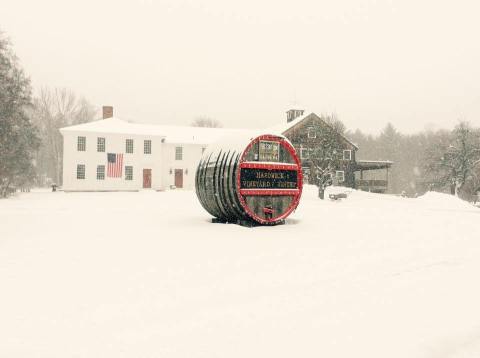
(115, 165)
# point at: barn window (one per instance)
(312, 133)
(347, 155)
(81, 144)
(80, 171)
(100, 144)
(304, 153)
(203, 150)
(129, 146)
(128, 172)
(306, 174)
(178, 153)
(147, 146)
(340, 176)
(100, 172)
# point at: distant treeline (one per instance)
(443, 160)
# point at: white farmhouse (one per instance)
(112, 154)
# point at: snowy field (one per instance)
(146, 275)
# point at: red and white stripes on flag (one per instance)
(115, 165)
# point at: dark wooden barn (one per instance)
(328, 155)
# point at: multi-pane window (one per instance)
(347, 155)
(147, 146)
(306, 175)
(340, 176)
(81, 144)
(100, 172)
(128, 172)
(178, 153)
(100, 144)
(311, 133)
(129, 146)
(80, 171)
(304, 154)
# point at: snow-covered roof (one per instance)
(234, 142)
(373, 164)
(375, 161)
(294, 108)
(284, 127)
(182, 134)
(172, 134)
(237, 142)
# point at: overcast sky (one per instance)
(413, 63)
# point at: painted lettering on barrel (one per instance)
(251, 178)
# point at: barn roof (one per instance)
(285, 127)
(172, 134)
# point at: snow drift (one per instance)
(147, 275)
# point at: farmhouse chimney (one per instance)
(107, 112)
(294, 113)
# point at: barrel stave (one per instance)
(266, 198)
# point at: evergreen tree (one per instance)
(18, 137)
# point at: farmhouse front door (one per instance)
(147, 178)
(179, 178)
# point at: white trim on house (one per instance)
(349, 156)
(340, 176)
(304, 153)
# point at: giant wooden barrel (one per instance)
(252, 179)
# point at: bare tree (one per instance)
(321, 153)
(453, 159)
(54, 109)
(334, 122)
(206, 122)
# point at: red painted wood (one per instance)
(179, 178)
(298, 167)
(271, 192)
(271, 166)
(147, 178)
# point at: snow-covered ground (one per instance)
(147, 275)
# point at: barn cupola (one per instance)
(107, 112)
(294, 113)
